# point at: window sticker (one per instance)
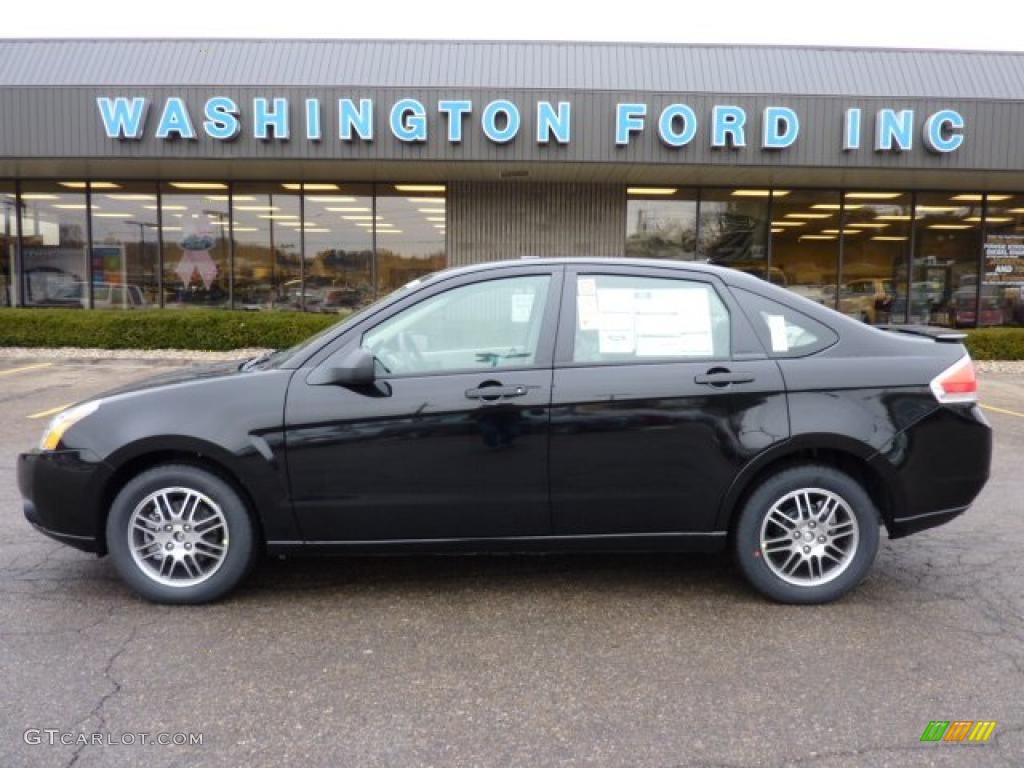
(588, 316)
(586, 286)
(616, 342)
(777, 330)
(613, 300)
(522, 307)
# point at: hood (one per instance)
(178, 376)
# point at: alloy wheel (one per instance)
(178, 537)
(809, 537)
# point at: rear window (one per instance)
(785, 332)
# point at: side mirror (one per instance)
(357, 369)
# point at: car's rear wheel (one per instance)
(180, 534)
(808, 534)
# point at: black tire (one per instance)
(747, 535)
(240, 540)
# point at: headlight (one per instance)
(63, 421)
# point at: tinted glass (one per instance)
(734, 228)
(944, 278)
(784, 331)
(1002, 292)
(266, 226)
(125, 245)
(196, 244)
(8, 243)
(492, 324)
(805, 243)
(338, 232)
(876, 256)
(54, 249)
(662, 226)
(410, 229)
(622, 318)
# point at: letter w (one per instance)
(123, 118)
(934, 730)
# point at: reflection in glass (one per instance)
(125, 245)
(734, 228)
(805, 243)
(8, 244)
(338, 231)
(410, 232)
(1002, 291)
(54, 247)
(876, 255)
(267, 246)
(944, 277)
(196, 246)
(662, 227)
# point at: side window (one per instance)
(491, 324)
(622, 318)
(785, 332)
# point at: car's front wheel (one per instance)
(808, 534)
(180, 534)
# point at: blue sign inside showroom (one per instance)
(502, 121)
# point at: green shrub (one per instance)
(223, 329)
(996, 343)
(211, 329)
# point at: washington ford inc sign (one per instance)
(501, 121)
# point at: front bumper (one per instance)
(61, 490)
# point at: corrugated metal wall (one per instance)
(507, 220)
(544, 65)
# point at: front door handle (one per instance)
(723, 377)
(492, 392)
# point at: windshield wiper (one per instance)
(248, 365)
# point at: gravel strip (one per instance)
(1000, 366)
(169, 356)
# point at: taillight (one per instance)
(957, 384)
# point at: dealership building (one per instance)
(316, 175)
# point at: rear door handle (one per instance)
(495, 392)
(723, 378)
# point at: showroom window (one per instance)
(944, 277)
(338, 236)
(125, 245)
(661, 223)
(55, 239)
(8, 244)
(876, 256)
(196, 244)
(1002, 288)
(734, 228)
(805, 233)
(410, 233)
(266, 223)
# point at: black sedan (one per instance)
(542, 404)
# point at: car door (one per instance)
(661, 394)
(451, 440)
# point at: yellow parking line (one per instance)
(1002, 410)
(25, 368)
(50, 411)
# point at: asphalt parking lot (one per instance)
(499, 661)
